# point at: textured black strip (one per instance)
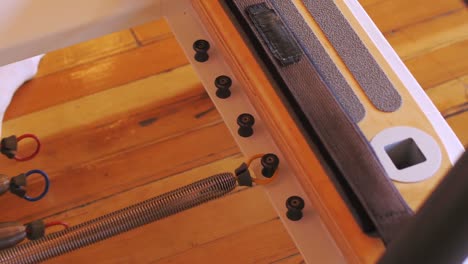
(355, 55)
(280, 42)
(320, 58)
(342, 139)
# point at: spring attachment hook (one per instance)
(9, 147)
(17, 185)
(13, 233)
(269, 162)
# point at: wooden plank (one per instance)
(262, 243)
(459, 124)
(153, 31)
(91, 108)
(121, 171)
(107, 132)
(390, 15)
(449, 94)
(161, 121)
(190, 231)
(418, 39)
(86, 52)
(96, 76)
(440, 65)
(294, 259)
(366, 3)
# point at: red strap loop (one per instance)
(57, 223)
(38, 147)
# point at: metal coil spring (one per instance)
(120, 221)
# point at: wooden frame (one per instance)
(356, 247)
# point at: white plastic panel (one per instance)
(32, 27)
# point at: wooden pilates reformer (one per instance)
(357, 137)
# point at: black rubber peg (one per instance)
(223, 83)
(201, 48)
(245, 122)
(294, 204)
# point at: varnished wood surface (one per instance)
(356, 246)
(165, 133)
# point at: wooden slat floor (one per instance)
(123, 118)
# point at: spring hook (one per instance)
(9, 147)
(17, 184)
(12, 233)
(270, 163)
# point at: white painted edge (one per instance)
(451, 142)
(310, 235)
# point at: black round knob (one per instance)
(245, 122)
(201, 48)
(294, 204)
(223, 83)
(270, 164)
(201, 45)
